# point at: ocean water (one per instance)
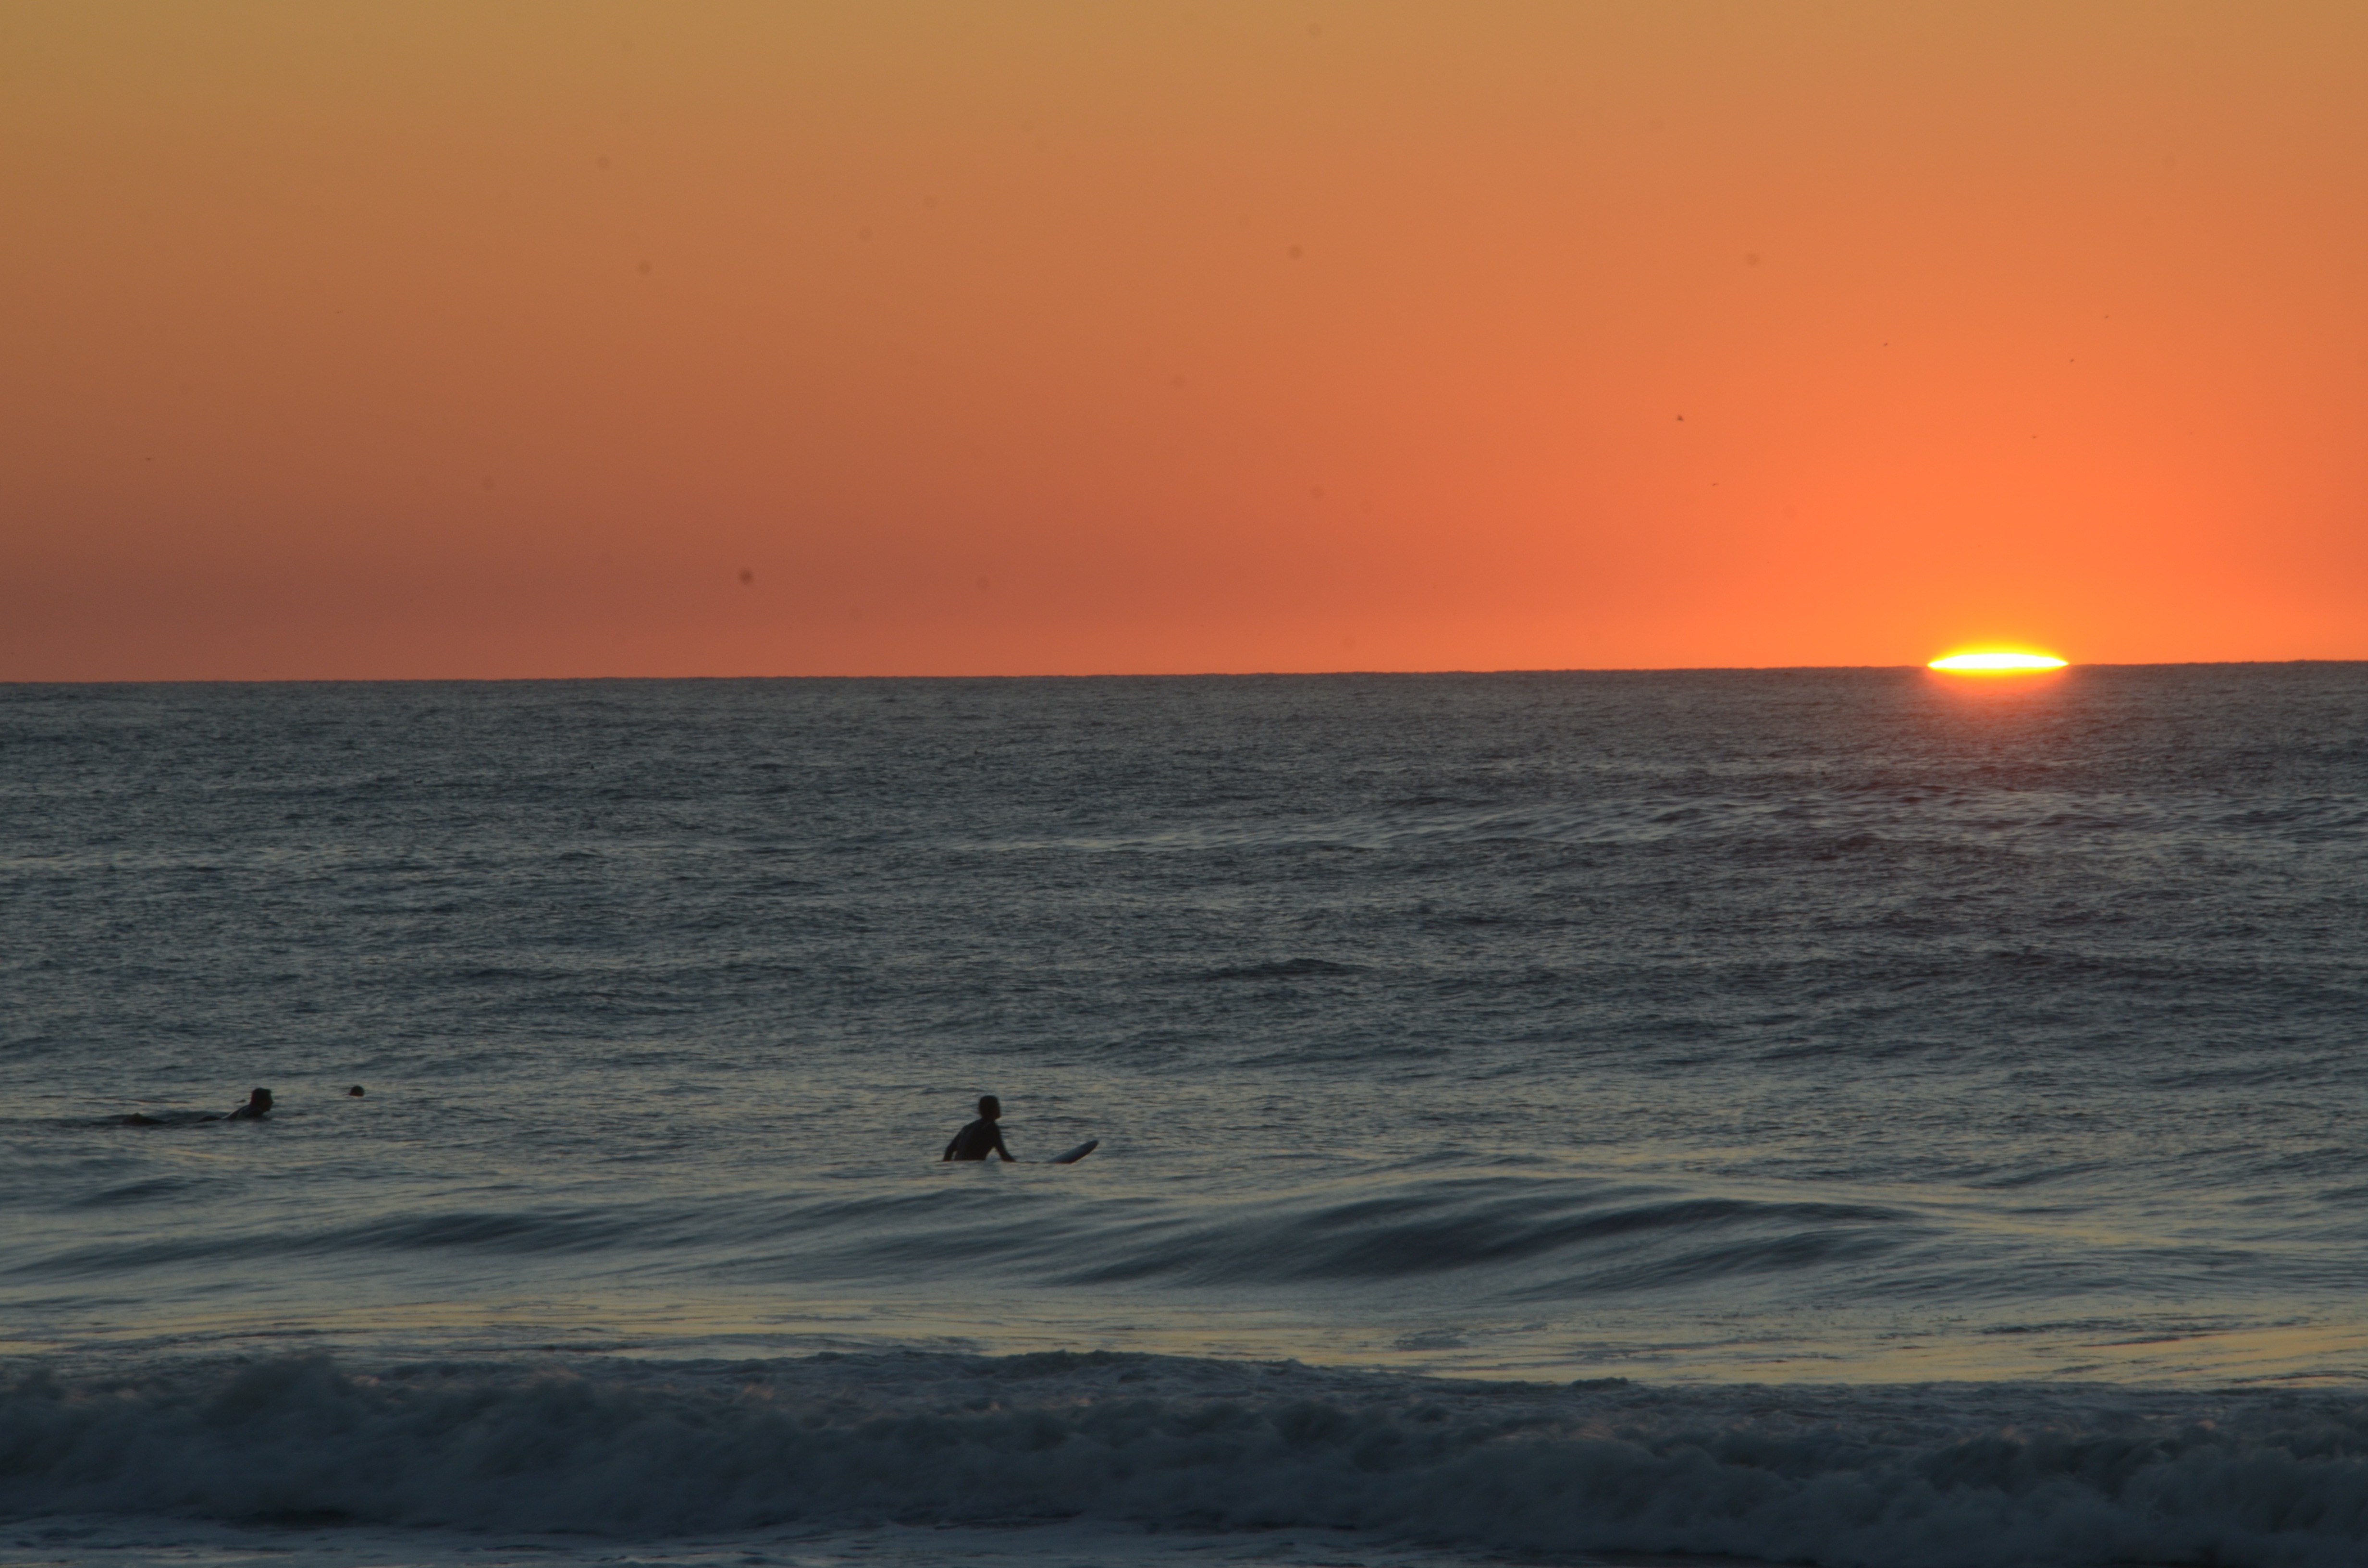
(1857, 1116)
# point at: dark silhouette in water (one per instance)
(258, 1107)
(355, 1093)
(982, 1137)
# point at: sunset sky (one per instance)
(582, 339)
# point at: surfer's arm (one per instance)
(1001, 1150)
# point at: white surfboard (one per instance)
(1074, 1156)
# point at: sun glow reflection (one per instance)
(1996, 663)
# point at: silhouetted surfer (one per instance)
(982, 1137)
(258, 1107)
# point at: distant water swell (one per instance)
(1519, 1236)
(1809, 821)
(1930, 1476)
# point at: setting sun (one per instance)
(1995, 662)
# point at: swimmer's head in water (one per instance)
(355, 1093)
(259, 1100)
(989, 1107)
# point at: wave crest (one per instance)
(1927, 1477)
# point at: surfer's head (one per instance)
(989, 1107)
(259, 1101)
(355, 1093)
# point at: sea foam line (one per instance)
(1937, 1476)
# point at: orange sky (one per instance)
(428, 340)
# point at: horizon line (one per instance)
(1126, 675)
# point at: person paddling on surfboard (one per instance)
(982, 1137)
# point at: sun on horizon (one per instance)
(1996, 662)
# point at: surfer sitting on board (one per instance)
(982, 1137)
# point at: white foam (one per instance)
(102, 1542)
(1938, 1476)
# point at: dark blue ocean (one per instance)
(1858, 1116)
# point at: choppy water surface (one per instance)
(1832, 1028)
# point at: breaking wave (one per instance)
(1927, 1476)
